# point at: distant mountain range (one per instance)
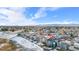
(59, 25)
(47, 25)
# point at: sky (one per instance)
(38, 15)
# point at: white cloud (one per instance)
(42, 12)
(14, 16)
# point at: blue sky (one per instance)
(38, 15)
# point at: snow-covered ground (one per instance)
(23, 42)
